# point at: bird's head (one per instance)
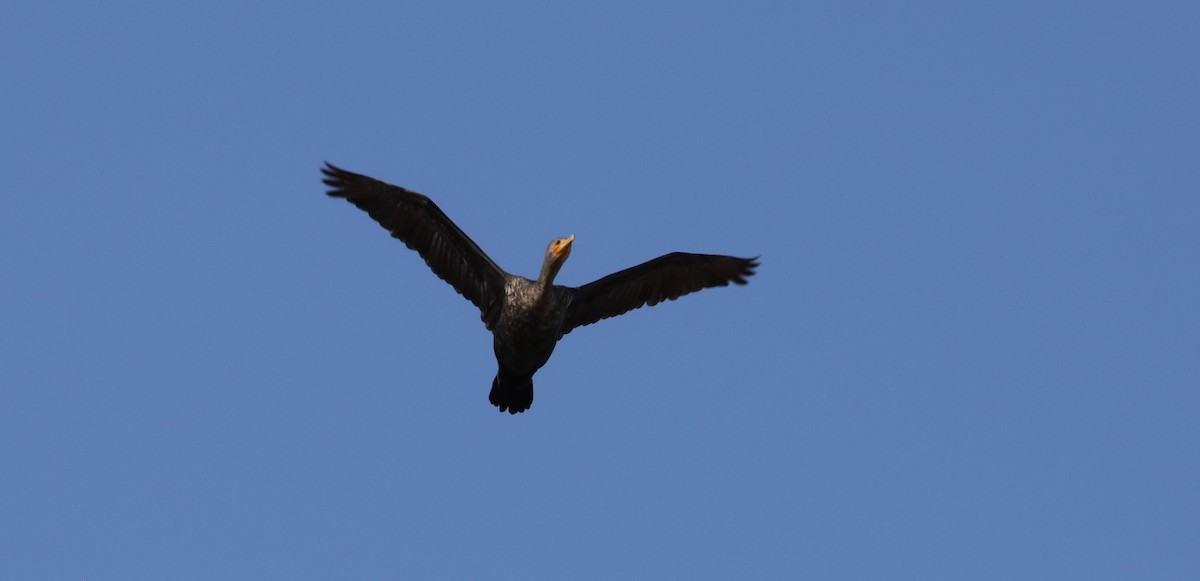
(560, 248)
(556, 254)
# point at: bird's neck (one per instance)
(546, 277)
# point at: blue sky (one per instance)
(970, 351)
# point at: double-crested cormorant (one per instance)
(526, 317)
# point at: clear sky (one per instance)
(972, 350)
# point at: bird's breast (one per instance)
(530, 325)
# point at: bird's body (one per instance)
(527, 317)
(529, 327)
(530, 324)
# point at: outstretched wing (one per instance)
(415, 220)
(665, 278)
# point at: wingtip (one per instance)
(748, 269)
(335, 179)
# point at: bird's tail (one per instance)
(512, 394)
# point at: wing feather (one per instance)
(415, 220)
(665, 278)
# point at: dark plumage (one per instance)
(526, 317)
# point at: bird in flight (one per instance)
(526, 317)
